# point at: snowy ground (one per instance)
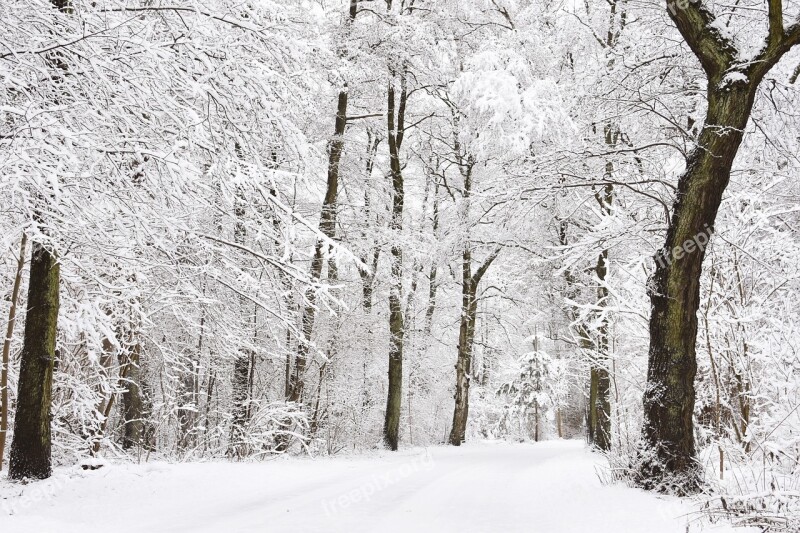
(544, 488)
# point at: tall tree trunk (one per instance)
(469, 290)
(433, 272)
(466, 334)
(466, 338)
(30, 449)
(241, 375)
(600, 382)
(240, 380)
(600, 401)
(371, 258)
(12, 318)
(675, 289)
(396, 129)
(327, 226)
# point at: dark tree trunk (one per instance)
(675, 291)
(469, 291)
(240, 380)
(396, 129)
(466, 338)
(675, 287)
(599, 396)
(30, 449)
(241, 376)
(327, 226)
(600, 382)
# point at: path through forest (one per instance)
(550, 487)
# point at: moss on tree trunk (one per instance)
(30, 448)
(675, 294)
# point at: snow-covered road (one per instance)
(549, 487)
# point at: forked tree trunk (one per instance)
(30, 449)
(396, 129)
(466, 341)
(469, 291)
(675, 289)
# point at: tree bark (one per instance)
(675, 286)
(241, 376)
(327, 226)
(30, 449)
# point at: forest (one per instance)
(256, 232)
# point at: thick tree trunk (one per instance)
(12, 319)
(675, 288)
(675, 294)
(30, 449)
